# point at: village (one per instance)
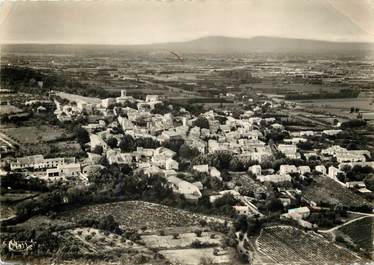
(224, 162)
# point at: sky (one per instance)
(155, 21)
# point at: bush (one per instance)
(203, 222)
(112, 142)
(201, 122)
(206, 261)
(196, 244)
(198, 233)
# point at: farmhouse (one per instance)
(188, 190)
(38, 162)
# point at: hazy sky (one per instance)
(150, 21)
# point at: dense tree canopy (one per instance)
(112, 142)
(127, 144)
(201, 122)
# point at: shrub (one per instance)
(201, 122)
(198, 233)
(196, 244)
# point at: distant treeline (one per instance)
(344, 93)
(25, 79)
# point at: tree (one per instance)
(98, 149)
(82, 135)
(188, 152)
(147, 142)
(112, 142)
(173, 144)
(275, 205)
(160, 108)
(198, 233)
(109, 224)
(369, 182)
(236, 165)
(127, 144)
(201, 122)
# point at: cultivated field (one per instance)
(9, 109)
(326, 190)
(16, 197)
(6, 211)
(42, 221)
(76, 98)
(138, 214)
(195, 256)
(182, 241)
(361, 232)
(290, 245)
(94, 241)
(33, 135)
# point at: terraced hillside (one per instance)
(290, 245)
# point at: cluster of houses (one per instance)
(242, 137)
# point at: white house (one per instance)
(274, 178)
(108, 102)
(241, 210)
(152, 98)
(70, 170)
(188, 190)
(171, 164)
(286, 169)
(220, 194)
(215, 173)
(333, 172)
(302, 212)
(96, 140)
(303, 169)
(289, 150)
(321, 168)
(164, 151)
(255, 169)
(201, 168)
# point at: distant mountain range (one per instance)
(218, 44)
(214, 44)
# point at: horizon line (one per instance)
(182, 41)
